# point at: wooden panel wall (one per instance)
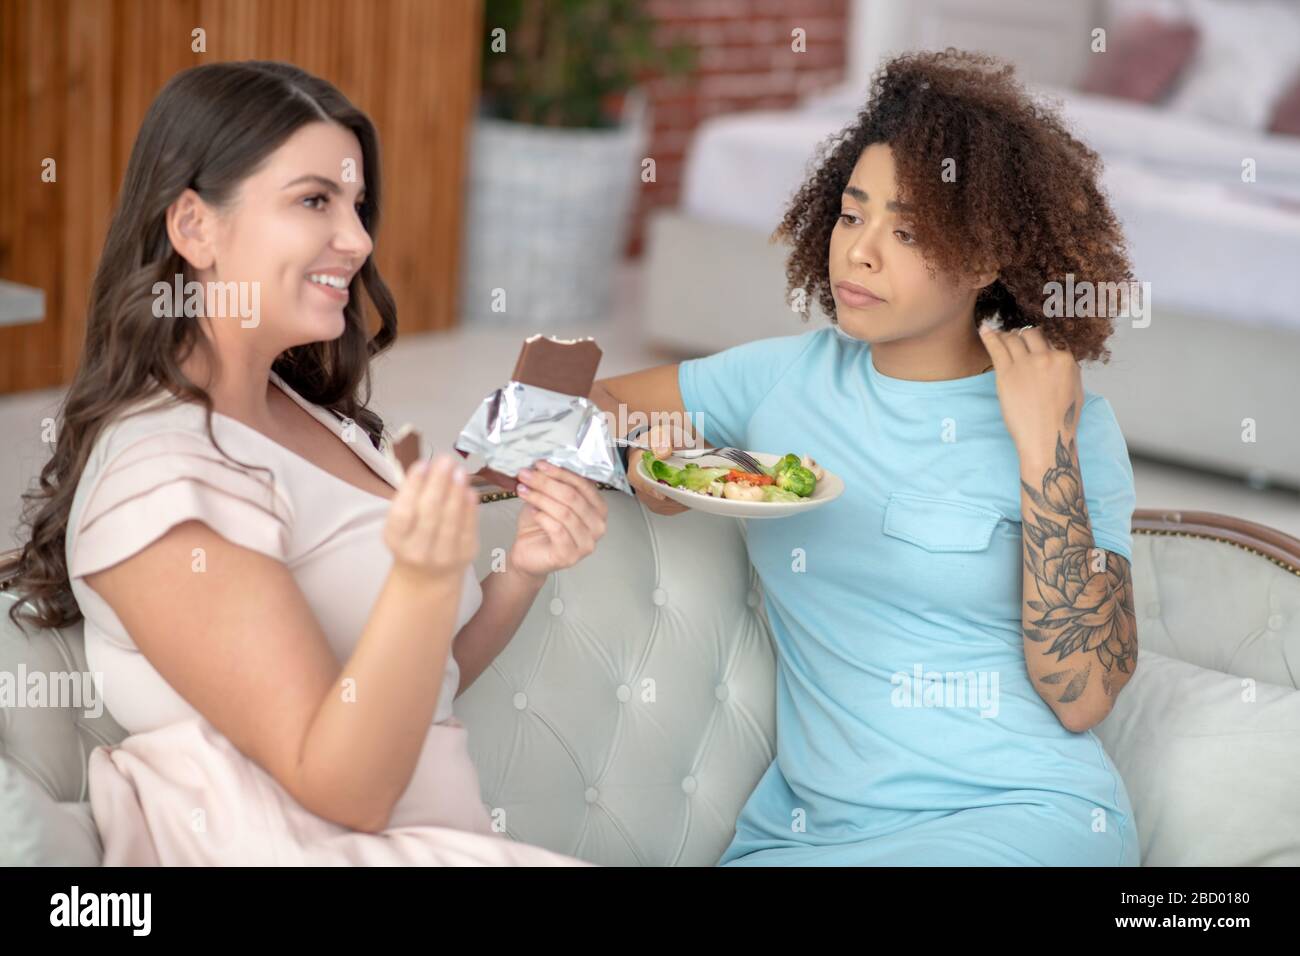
(77, 76)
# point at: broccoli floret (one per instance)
(778, 466)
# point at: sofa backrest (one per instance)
(51, 744)
(634, 711)
(1218, 592)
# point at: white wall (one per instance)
(1047, 40)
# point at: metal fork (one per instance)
(746, 461)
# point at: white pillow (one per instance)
(1213, 776)
(1249, 50)
(35, 830)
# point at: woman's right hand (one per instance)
(659, 439)
(432, 527)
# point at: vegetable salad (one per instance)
(790, 479)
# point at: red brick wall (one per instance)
(743, 61)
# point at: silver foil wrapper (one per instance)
(519, 425)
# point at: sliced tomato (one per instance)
(747, 478)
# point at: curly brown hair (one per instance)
(1024, 201)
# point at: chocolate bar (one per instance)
(567, 366)
(404, 450)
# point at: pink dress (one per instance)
(176, 791)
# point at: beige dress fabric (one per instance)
(176, 791)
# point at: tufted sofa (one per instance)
(633, 712)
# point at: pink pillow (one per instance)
(1286, 112)
(1145, 56)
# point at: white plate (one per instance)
(828, 488)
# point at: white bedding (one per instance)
(1181, 146)
(1206, 242)
(1176, 144)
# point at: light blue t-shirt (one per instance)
(908, 729)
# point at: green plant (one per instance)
(566, 61)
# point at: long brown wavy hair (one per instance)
(1025, 199)
(209, 128)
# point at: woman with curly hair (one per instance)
(951, 627)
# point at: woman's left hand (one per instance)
(1040, 387)
(562, 519)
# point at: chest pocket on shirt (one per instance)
(939, 524)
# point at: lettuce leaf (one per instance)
(661, 470)
(695, 478)
(773, 493)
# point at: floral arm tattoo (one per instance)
(1078, 601)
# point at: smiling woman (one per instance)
(298, 239)
(216, 216)
(272, 607)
